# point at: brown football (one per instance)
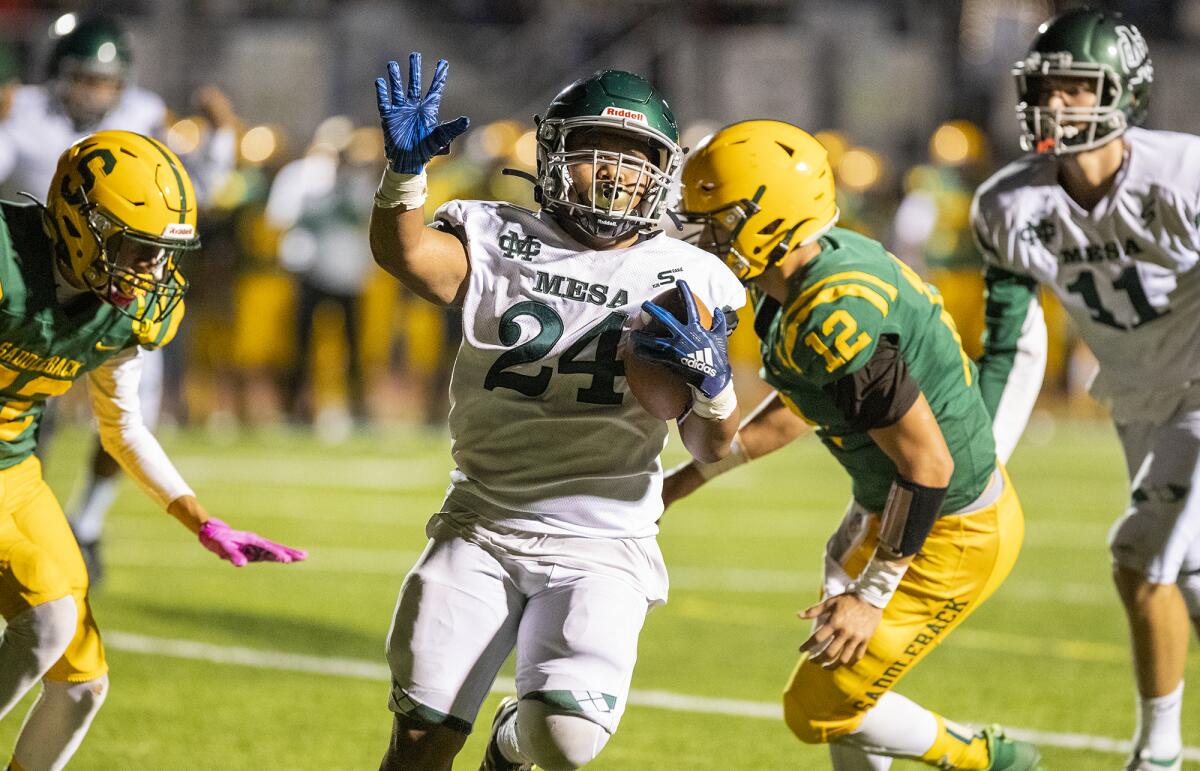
(660, 391)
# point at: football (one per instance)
(661, 392)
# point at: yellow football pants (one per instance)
(964, 560)
(40, 562)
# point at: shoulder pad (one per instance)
(833, 326)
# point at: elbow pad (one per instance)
(908, 516)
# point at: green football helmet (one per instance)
(634, 196)
(1084, 43)
(89, 67)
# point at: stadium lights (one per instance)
(184, 136)
(525, 150)
(859, 169)
(258, 143)
(835, 143)
(64, 24)
(334, 131)
(500, 138)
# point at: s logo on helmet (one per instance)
(87, 177)
(1135, 54)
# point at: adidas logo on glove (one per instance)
(700, 360)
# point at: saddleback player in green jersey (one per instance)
(857, 345)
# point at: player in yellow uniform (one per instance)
(86, 282)
(859, 346)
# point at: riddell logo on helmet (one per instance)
(619, 112)
(179, 230)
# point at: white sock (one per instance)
(90, 502)
(895, 727)
(847, 757)
(1158, 724)
(506, 740)
(32, 642)
(57, 723)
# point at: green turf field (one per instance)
(282, 667)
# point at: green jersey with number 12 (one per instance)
(46, 346)
(839, 306)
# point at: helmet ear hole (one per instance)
(771, 228)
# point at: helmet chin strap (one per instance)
(575, 227)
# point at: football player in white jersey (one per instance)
(546, 539)
(89, 89)
(1105, 214)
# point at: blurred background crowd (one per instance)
(290, 320)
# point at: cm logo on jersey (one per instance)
(516, 247)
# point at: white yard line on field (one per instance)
(370, 670)
(383, 475)
(419, 475)
(175, 553)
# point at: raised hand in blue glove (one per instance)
(411, 132)
(700, 356)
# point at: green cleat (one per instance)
(1010, 754)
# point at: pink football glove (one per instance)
(242, 546)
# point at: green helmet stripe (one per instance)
(183, 202)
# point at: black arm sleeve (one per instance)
(879, 393)
(908, 516)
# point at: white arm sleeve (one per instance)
(1023, 383)
(113, 388)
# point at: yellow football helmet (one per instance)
(758, 188)
(120, 211)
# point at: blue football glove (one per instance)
(700, 356)
(411, 132)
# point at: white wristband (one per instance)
(878, 581)
(719, 407)
(736, 457)
(407, 190)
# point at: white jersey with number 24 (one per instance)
(545, 434)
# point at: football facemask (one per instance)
(1091, 46)
(588, 177)
(1067, 129)
(138, 272)
(717, 232)
(606, 193)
